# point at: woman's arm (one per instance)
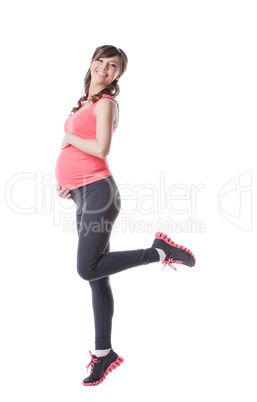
(106, 114)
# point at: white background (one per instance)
(188, 112)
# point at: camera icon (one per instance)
(235, 201)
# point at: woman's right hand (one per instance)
(63, 192)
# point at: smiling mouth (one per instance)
(102, 74)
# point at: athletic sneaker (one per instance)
(174, 253)
(101, 367)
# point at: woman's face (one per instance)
(105, 70)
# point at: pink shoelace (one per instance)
(92, 362)
(169, 261)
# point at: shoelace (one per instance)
(92, 362)
(169, 261)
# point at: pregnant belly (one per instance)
(75, 168)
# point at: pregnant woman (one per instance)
(83, 174)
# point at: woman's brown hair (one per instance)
(113, 89)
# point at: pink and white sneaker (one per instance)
(174, 253)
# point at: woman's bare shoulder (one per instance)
(106, 105)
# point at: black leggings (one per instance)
(97, 207)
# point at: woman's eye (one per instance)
(112, 64)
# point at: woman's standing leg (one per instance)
(102, 297)
(103, 308)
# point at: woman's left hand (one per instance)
(65, 141)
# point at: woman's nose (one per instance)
(104, 66)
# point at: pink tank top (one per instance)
(75, 168)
